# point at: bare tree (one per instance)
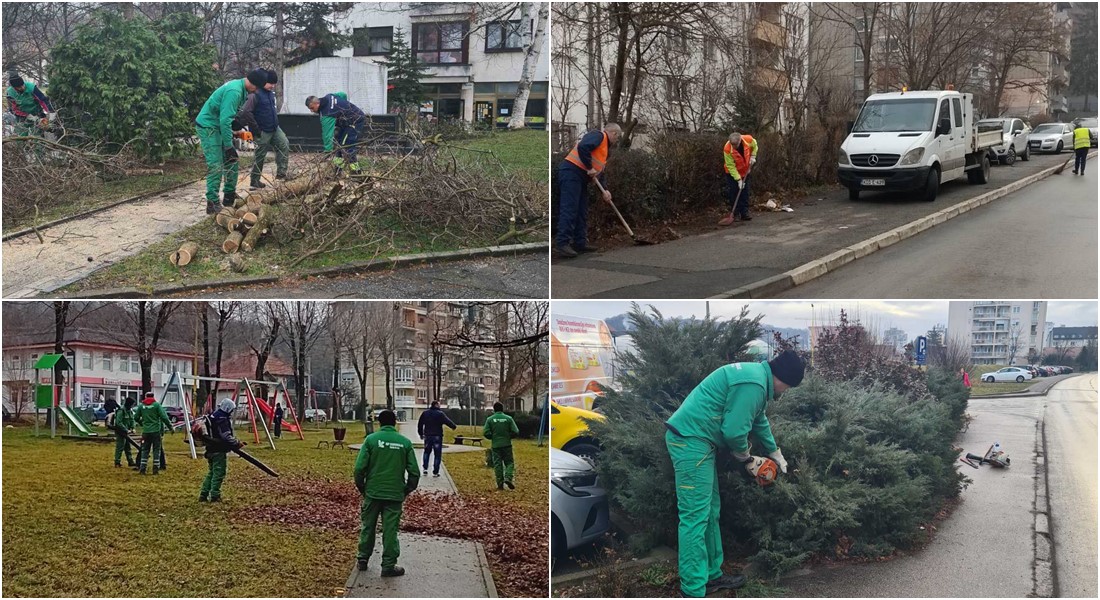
(533, 40)
(266, 317)
(146, 323)
(304, 325)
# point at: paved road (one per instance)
(995, 517)
(1039, 242)
(522, 276)
(1071, 469)
(724, 258)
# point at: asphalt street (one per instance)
(1072, 481)
(718, 259)
(521, 276)
(1039, 242)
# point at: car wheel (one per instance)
(1010, 157)
(557, 544)
(989, 379)
(980, 175)
(1026, 156)
(853, 194)
(1058, 150)
(932, 186)
(1019, 379)
(589, 452)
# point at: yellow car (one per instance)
(569, 431)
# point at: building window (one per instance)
(794, 27)
(676, 89)
(504, 36)
(123, 364)
(86, 360)
(440, 43)
(372, 41)
(108, 361)
(1016, 310)
(709, 48)
(135, 364)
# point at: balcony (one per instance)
(769, 33)
(404, 402)
(403, 382)
(403, 362)
(769, 79)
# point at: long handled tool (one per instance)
(637, 240)
(1061, 168)
(728, 220)
(259, 465)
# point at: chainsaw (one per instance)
(994, 456)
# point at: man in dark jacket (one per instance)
(341, 121)
(430, 429)
(122, 422)
(264, 108)
(219, 443)
(278, 420)
(385, 473)
(584, 162)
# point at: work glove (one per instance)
(593, 172)
(777, 456)
(51, 117)
(740, 184)
(43, 123)
(752, 162)
(230, 155)
(607, 196)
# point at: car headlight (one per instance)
(568, 481)
(912, 157)
(842, 157)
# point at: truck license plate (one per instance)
(873, 182)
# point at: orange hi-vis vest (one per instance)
(740, 159)
(599, 155)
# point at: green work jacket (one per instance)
(153, 418)
(500, 428)
(728, 406)
(384, 460)
(220, 108)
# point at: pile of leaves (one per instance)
(871, 461)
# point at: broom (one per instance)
(728, 219)
(1061, 168)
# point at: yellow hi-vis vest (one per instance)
(1081, 138)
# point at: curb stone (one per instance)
(486, 573)
(394, 262)
(816, 268)
(1044, 577)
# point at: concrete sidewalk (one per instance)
(435, 567)
(715, 260)
(985, 548)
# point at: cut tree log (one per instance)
(184, 255)
(268, 215)
(236, 263)
(224, 215)
(232, 224)
(239, 212)
(233, 242)
(254, 206)
(298, 186)
(249, 219)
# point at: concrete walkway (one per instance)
(985, 548)
(435, 567)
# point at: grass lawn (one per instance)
(76, 526)
(176, 172)
(981, 388)
(526, 150)
(473, 478)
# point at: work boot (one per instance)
(746, 217)
(564, 252)
(142, 472)
(118, 464)
(229, 199)
(510, 485)
(500, 486)
(282, 176)
(257, 185)
(393, 571)
(1075, 171)
(435, 474)
(361, 564)
(212, 208)
(215, 498)
(202, 498)
(425, 471)
(725, 582)
(586, 249)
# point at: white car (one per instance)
(1051, 137)
(1017, 374)
(316, 414)
(1014, 132)
(579, 510)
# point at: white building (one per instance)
(1073, 337)
(473, 61)
(688, 80)
(998, 332)
(103, 368)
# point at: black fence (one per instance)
(304, 132)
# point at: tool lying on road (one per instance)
(728, 220)
(637, 240)
(994, 456)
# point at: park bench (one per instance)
(461, 440)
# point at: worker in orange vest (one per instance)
(585, 161)
(739, 155)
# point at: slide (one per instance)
(269, 412)
(76, 421)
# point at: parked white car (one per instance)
(1017, 374)
(1051, 137)
(1014, 132)
(316, 414)
(579, 510)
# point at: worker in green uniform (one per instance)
(219, 440)
(723, 410)
(500, 428)
(380, 474)
(214, 127)
(153, 420)
(122, 422)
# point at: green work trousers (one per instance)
(269, 140)
(698, 504)
(212, 485)
(390, 511)
(122, 445)
(154, 443)
(504, 466)
(217, 169)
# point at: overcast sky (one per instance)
(912, 316)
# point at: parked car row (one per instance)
(1050, 371)
(1015, 134)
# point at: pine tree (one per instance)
(404, 73)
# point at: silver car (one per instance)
(1014, 132)
(579, 512)
(1051, 137)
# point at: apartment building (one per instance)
(687, 80)
(473, 56)
(1043, 83)
(425, 370)
(103, 368)
(998, 332)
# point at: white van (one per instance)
(914, 141)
